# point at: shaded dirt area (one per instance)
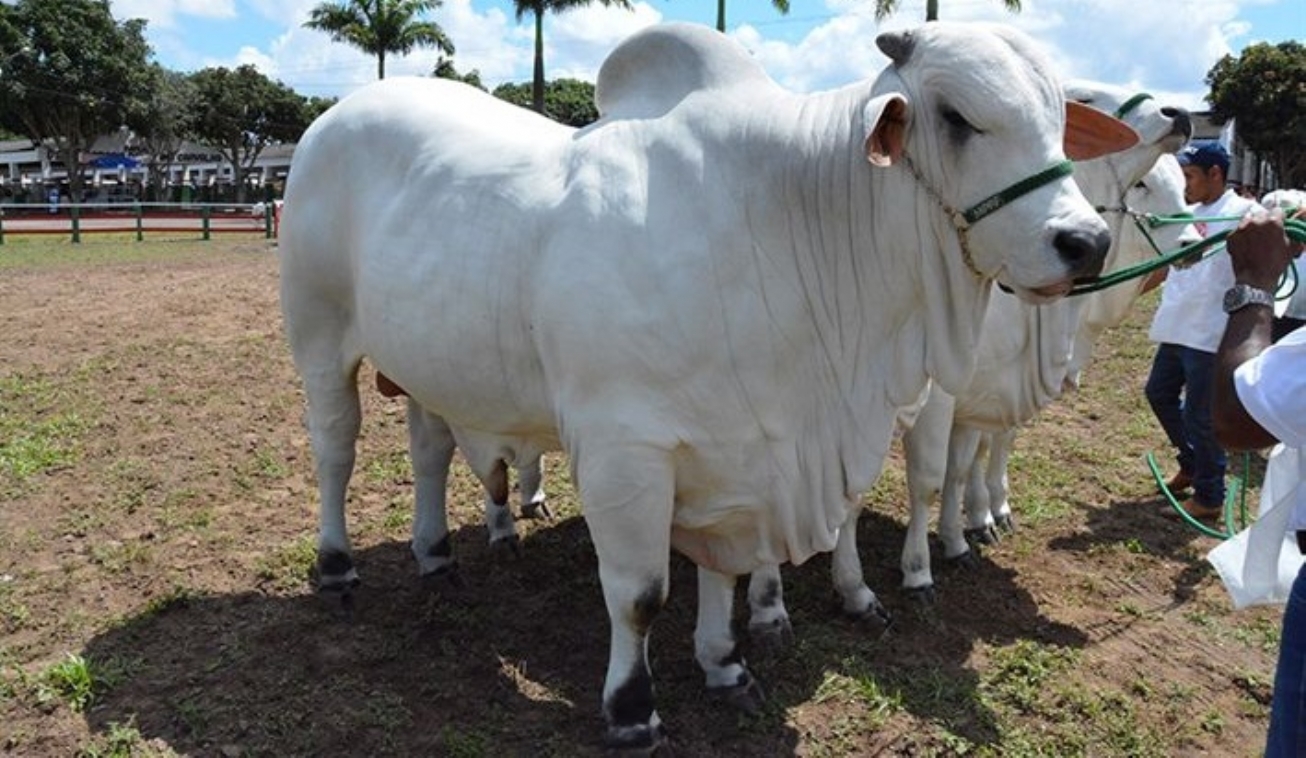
(157, 517)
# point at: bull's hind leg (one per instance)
(530, 483)
(431, 445)
(768, 621)
(849, 579)
(715, 647)
(627, 499)
(334, 418)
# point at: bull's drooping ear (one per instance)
(1091, 133)
(885, 118)
(896, 45)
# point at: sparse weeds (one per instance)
(77, 681)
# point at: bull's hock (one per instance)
(715, 299)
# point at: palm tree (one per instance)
(539, 8)
(885, 8)
(380, 27)
(780, 5)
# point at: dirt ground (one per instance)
(157, 521)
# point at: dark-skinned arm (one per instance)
(1260, 253)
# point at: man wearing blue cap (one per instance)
(1187, 327)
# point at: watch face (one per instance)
(1241, 295)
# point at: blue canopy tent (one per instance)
(115, 161)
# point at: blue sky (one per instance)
(1161, 46)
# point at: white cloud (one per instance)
(163, 13)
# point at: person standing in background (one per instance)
(1187, 327)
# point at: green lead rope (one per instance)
(1295, 229)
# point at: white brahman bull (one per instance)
(715, 299)
(977, 429)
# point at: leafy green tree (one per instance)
(316, 106)
(886, 8)
(381, 27)
(69, 74)
(567, 101)
(240, 112)
(165, 123)
(1264, 88)
(538, 8)
(780, 5)
(444, 69)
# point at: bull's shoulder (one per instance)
(656, 68)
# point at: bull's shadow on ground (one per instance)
(512, 662)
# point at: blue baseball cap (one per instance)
(1205, 154)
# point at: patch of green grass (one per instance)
(51, 251)
(13, 613)
(290, 567)
(117, 557)
(39, 429)
(391, 466)
(123, 741)
(1018, 674)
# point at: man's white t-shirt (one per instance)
(1259, 564)
(1191, 312)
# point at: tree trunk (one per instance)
(721, 16)
(380, 65)
(537, 81)
(931, 10)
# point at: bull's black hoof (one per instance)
(747, 696)
(771, 638)
(445, 576)
(921, 597)
(538, 510)
(983, 535)
(873, 614)
(966, 560)
(506, 547)
(1006, 524)
(636, 741)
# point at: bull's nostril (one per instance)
(1083, 251)
(1182, 123)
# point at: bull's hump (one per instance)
(653, 70)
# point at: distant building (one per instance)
(115, 169)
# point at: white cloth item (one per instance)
(1297, 303)
(1259, 564)
(1191, 313)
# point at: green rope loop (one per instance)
(1235, 495)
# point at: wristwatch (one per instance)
(1243, 295)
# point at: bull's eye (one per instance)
(1142, 185)
(958, 121)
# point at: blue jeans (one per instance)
(1287, 736)
(1177, 371)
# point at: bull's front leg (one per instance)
(963, 446)
(715, 647)
(1000, 448)
(430, 445)
(849, 580)
(925, 446)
